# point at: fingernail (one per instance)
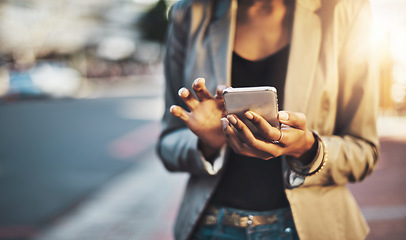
(181, 91)
(224, 123)
(196, 87)
(198, 80)
(284, 116)
(232, 119)
(249, 115)
(172, 110)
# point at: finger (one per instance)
(288, 135)
(244, 132)
(179, 112)
(199, 87)
(267, 131)
(232, 138)
(293, 119)
(240, 146)
(188, 98)
(219, 91)
(260, 145)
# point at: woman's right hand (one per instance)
(204, 118)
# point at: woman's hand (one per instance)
(204, 116)
(293, 139)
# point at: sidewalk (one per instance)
(381, 196)
(139, 204)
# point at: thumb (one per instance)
(293, 119)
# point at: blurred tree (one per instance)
(154, 23)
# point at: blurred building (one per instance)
(77, 43)
(389, 35)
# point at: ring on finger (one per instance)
(280, 138)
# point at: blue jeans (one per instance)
(282, 229)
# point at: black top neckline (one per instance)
(280, 51)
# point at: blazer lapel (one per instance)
(222, 32)
(304, 52)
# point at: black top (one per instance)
(252, 183)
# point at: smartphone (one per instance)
(262, 100)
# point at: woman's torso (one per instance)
(251, 183)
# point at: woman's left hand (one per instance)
(293, 139)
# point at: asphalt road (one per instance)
(53, 154)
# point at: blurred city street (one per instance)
(81, 98)
(79, 169)
(86, 168)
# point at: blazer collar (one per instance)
(222, 32)
(304, 49)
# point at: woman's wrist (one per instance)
(307, 157)
(316, 165)
(209, 152)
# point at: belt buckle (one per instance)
(250, 221)
(239, 221)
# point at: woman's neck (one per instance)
(257, 8)
(278, 10)
(263, 27)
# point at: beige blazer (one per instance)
(330, 78)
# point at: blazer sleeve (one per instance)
(177, 145)
(351, 152)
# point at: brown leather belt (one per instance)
(237, 220)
